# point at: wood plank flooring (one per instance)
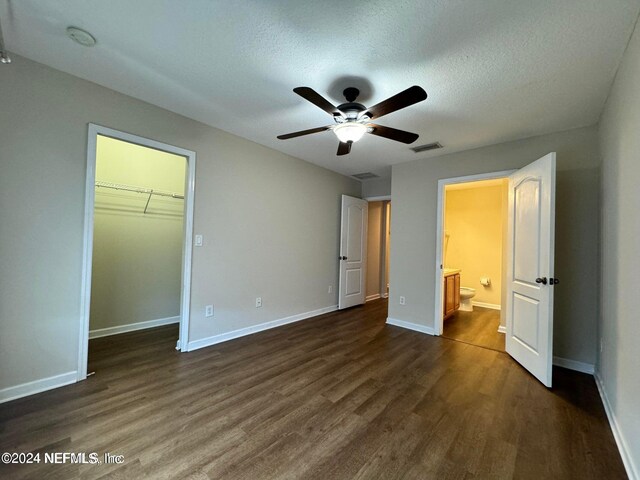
(341, 396)
(479, 327)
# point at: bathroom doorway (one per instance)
(527, 274)
(472, 260)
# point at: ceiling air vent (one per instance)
(365, 176)
(428, 146)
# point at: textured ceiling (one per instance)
(494, 70)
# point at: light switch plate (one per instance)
(198, 241)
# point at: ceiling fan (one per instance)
(352, 120)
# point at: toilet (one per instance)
(466, 294)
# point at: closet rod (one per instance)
(131, 188)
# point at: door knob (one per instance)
(554, 281)
(542, 280)
(342, 258)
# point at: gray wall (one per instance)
(378, 187)
(618, 368)
(413, 226)
(270, 221)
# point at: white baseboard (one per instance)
(574, 365)
(132, 327)
(633, 472)
(223, 337)
(375, 296)
(492, 306)
(410, 326)
(37, 386)
(502, 329)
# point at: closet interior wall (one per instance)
(138, 237)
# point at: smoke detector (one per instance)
(81, 37)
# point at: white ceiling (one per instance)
(494, 70)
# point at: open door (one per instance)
(530, 254)
(353, 252)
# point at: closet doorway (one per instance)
(138, 229)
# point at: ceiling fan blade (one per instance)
(401, 100)
(318, 100)
(286, 136)
(393, 133)
(344, 148)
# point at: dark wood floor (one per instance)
(479, 327)
(336, 397)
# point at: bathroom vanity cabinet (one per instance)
(451, 292)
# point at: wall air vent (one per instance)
(428, 146)
(365, 176)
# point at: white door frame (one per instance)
(377, 198)
(439, 321)
(385, 227)
(87, 256)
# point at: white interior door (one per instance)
(353, 252)
(530, 253)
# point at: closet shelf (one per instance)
(145, 191)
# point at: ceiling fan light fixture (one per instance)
(349, 131)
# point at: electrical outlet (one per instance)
(403, 301)
(258, 302)
(330, 288)
(198, 240)
(208, 311)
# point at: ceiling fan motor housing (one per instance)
(351, 109)
(351, 93)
